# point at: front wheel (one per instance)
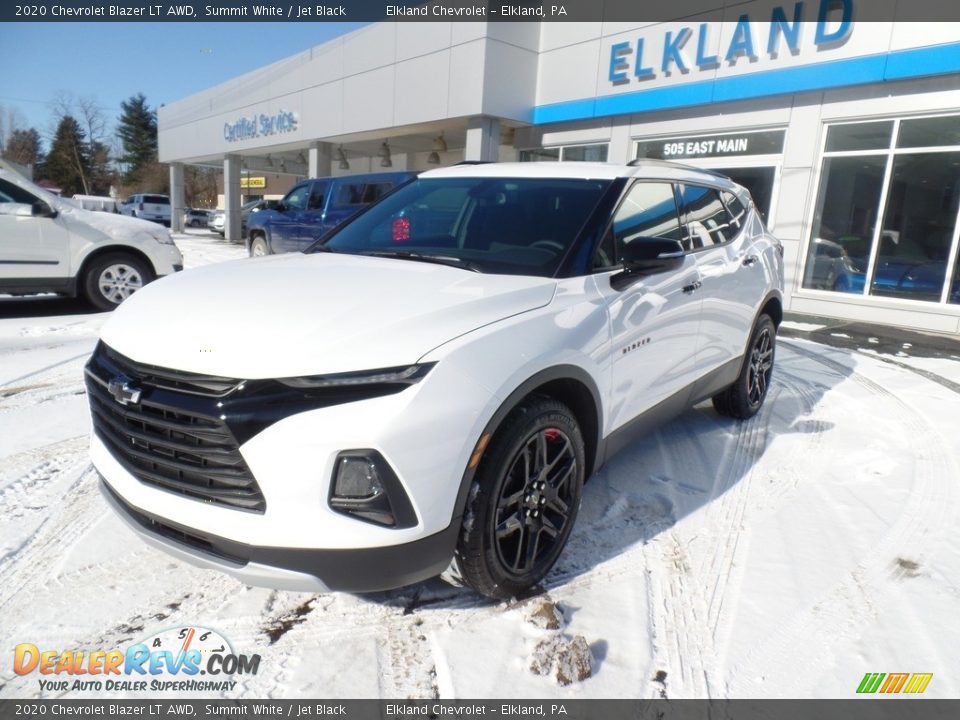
(111, 279)
(259, 247)
(745, 397)
(524, 500)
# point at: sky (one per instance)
(112, 61)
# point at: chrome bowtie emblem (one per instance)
(122, 390)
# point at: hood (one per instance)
(292, 315)
(118, 227)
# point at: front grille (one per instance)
(173, 437)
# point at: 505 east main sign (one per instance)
(690, 48)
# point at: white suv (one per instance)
(431, 386)
(48, 244)
(148, 206)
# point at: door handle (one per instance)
(750, 260)
(692, 287)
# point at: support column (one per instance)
(483, 139)
(321, 159)
(177, 203)
(231, 198)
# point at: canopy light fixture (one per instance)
(384, 155)
(439, 144)
(342, 157)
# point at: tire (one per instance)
(528, 485)
(745, 397)
(259, 247)
(111, 279)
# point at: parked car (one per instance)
(148, 206)
(428, 387)
(97, 203)
(217, 221)
(315, 206)
(196, 217)
(50, 244)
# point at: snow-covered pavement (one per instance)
(781, 557)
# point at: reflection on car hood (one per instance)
(289, 315)
(111, 224)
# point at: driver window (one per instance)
(648, 211)
(296, 199)
(317, 195)
(10, 193)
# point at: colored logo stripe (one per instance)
(914, 683)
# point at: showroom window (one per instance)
(596, 152)
(885, 223)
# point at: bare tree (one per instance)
(11, 119)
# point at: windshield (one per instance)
(517, 226)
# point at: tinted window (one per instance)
(349, 194)
(705, 219)
(317, 195)
(374, 191)
(10, 193)
(296, 199)
(737, 210)
(520, 226)
(648, 211)
(156, 199)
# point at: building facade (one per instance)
(846, 132)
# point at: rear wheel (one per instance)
(524, 500)
(111, 279)
(745, 397)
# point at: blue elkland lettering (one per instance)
(742, 42)
(843, 30)
(705, 61)
(618, 65)
(671, 50)
(642, 72)
(779, 26)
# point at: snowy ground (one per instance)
(781, 557)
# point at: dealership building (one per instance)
(847, 132)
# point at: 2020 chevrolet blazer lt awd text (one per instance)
(430, 385)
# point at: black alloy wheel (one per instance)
(745, 397)
(524, 500)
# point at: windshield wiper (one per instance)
(450, 260)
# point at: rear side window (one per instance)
(706, 220)
(357, 194)
(156, 199)
(736, 208)
(317, 195)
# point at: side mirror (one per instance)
(647, 256)
(41, 209)
(16, 209)
(280, 207)
(644, 256)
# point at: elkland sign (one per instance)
(663, 53)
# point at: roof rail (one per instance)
(657, 162)
(475, 162)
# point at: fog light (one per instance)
(365, 486)
(357, 478)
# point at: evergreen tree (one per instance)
(137, 129)
(68, 163)
(23, 147)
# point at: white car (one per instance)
(429, 388)
(50, 244)
(148, 206)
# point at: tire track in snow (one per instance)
(801, 640)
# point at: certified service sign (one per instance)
(260, 125)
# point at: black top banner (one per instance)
(473, 10)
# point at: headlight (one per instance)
(404, 375)
(163, 237)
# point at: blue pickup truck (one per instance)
(313, 207)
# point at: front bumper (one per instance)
(298, 569)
